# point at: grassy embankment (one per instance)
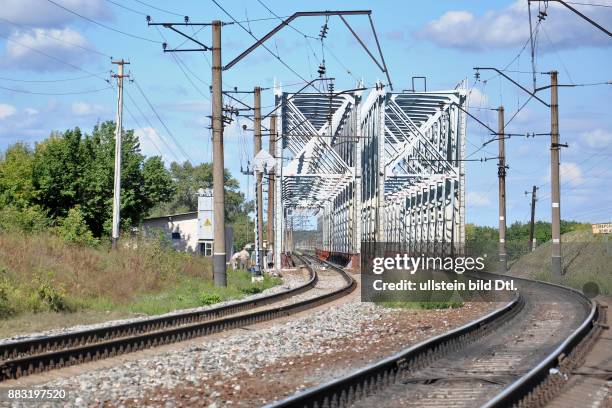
(585, 259)
(46, 282)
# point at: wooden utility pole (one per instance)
(271, 185)
(118, 131)
(554, 175)
(258, 175)
(219, 271)
(532, 241)
(501, 174)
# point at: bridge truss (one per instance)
(385, 168)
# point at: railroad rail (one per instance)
(36, 355)
(544, 327)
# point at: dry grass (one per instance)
(585, 259)
(28, 260)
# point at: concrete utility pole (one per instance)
(219, 271)
(271, 186)
(554, 175)
(258, 175)
(501, 174)
(118, 130)
(532, 241)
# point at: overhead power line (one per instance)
(61, 61)
(51, 80)
(55, 93)
(146, 118)
(144, 95)
(127, 8)
(257, 39)
(103, 25)
(159, 9)
(44, 33)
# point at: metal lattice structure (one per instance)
(388, 168)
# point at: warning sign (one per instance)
(207, 223)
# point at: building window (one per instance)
(176, 235)
(206, 248)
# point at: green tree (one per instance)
(157, 181)
(16, 186)
(97, 195)
(57, 172)
(73, 229)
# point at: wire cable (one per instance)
(263, 45)
(52, 57)
(183, 151)
(159, 9)
(42, 32)
(151, 125)
(50, 80)
(55, 93)
(103, 25)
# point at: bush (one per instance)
(52, 298)
(210, 298)
(251, 290)
(28, 219)
(73, 229)
(6, 308)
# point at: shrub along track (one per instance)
(32, 356)
(515, 355)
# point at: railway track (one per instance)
(516, 355)
(36, 355)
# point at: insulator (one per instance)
(321, 70)
(148, 19)
(186, 19)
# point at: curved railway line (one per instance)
(518, 355)
(30, 356)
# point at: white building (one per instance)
(180, 229)
(191, 231)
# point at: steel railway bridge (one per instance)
(372, 166)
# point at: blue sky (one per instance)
(442, 40)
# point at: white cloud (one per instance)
(509, 28)
(84, 108)
(6, 111)
(597, 138)
(41, 13)
(20, 51)
(571, 174)
(476, 199)
(31, 111)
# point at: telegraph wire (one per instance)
(54, 58)
(58, 39)
(589, 4)
(127, 8)
(183, 152)
(103, 25)
(50, 80)
(151, 126)
(55, 93)
(257, 39)
(159, 9)
(143, 132)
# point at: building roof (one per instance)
(171, 216)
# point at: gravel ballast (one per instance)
(250, 368)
